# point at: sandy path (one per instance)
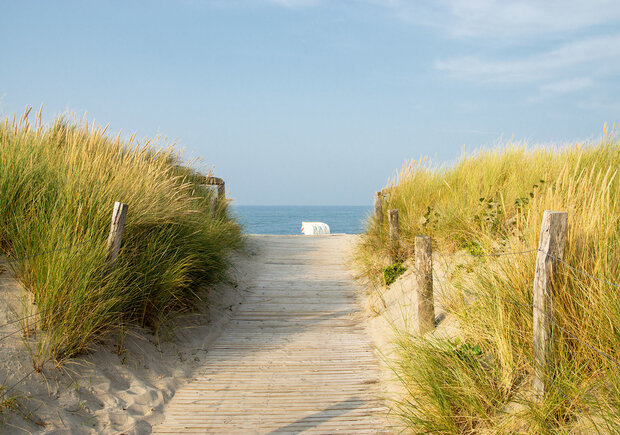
(295, 356)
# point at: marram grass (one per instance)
(57, 188)
(490, 202)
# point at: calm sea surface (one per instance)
(260, 219)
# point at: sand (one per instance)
(391, 311)
(104, 392)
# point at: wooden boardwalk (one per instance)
(294, 358)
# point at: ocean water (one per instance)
(263, 219)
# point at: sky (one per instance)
(317, 102)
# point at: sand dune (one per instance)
(107, 392)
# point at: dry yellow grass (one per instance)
(491, 202)
(57, 187)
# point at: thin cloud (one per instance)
(603, 51)
(566, 86)
(294, 3)
(529, 17)
(506, 18)
(249, 4)
(561, 87)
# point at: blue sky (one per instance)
(318, 102)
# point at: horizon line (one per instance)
(301, 205)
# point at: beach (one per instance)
(110, 391)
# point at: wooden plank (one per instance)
(295, 356)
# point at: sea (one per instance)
(267, 219)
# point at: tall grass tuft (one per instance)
(57, 188)
(491, 202)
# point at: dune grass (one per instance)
(57, 188)
(490, 202)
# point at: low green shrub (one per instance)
(392, 272)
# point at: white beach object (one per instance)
(314, 228)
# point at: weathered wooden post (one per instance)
(379, 208)
(221, 191)
(424, 271)
(394, 234)
(552, 239)
(119, 213)
(213, 204)
(221, 187)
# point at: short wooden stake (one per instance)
(394, 234)
(378, 208)
(424, 271)
(552, 239)
(119, 213)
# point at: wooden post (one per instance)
(119, 214)
(394, 234)
(221, 186)
(379, 208)
(424, 271)
(213, 203)
(552, 239)
(221, 191)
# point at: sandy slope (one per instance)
(105, 392)
(392, 310)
